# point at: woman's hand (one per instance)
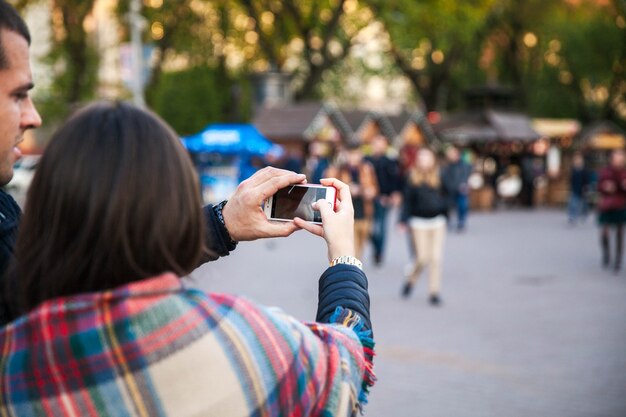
(337, 226)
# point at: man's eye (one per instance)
(21, 96)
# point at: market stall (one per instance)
(225, 155)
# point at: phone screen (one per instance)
(295, 201)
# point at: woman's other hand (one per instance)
(337, 226)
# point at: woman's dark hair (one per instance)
(115, 199)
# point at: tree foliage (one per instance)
(303, 38)
(72, 58)
(430, 40)
(190, 99)
(567, 58)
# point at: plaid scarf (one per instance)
(156, 348)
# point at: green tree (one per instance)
(190, 99)
(430, 41)
(584, 52)
(304, 38)
(73, 58)
(182, 30)
(565, 57)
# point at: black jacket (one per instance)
(10, 215)
(387, 173)
(454, 176)
(422, 201)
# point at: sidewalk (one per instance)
(530, 324)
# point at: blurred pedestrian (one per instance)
(388, 176)
(509, 185)
(454, 177)
(424, 211)
(317, 162)
(580, 180)
(359, 174)
(113, 330)
(612, 207)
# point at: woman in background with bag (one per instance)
(612, 207)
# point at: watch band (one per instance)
(347, 260)
(218, 212)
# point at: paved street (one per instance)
(530, 324)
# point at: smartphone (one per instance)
(296, 200)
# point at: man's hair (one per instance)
(115, 199)
(10, 20)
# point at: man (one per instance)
(454, 178)
(580, 182)
(241, 219)
(17, 114)
(388, 175)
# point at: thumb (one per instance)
(324, 207)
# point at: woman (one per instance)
(612, 207)
(425, 212)
(113, 219)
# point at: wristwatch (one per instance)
(218, 212)
(347, 260)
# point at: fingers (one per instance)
(324, 208)
(271, 176)
(265, 174)
(315, 229)
(272, 184)
(343, 190)
(281, 229)
(344, 199)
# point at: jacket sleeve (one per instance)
(217, 241)
(405, 210)
(343, 286)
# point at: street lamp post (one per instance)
(136, 25)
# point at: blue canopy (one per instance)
(230, 139)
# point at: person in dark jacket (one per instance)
(454, 177)
(318, 161)
(579, 181)
(17, 114)
(388, 176)
(424, 211)
(239, 219)
(612, 207)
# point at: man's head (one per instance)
(354, 156)
(578, 161)
(618, 158)
(379, 145)
(453, 154)
(17, 112)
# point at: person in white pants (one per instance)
(425, 211)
